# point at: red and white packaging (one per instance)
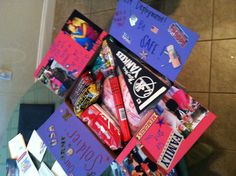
(136, 121)
(103, 126)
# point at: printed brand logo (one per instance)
(170, 150)
(147, 125)
(131, 68)
(126, 38)
(102, 129)
(143, 87)
(179, 35)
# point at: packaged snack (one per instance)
(72, 144)
(102, 125)
(135, 120)
(105, 64)
(86, 92)
(145, 85)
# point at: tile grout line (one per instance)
(212, 92)
(226, 150)
(211, 54)
(208, 40)
(90, 9)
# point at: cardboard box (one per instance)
(166, 134)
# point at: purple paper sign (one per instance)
(73, 145)
(160, 41)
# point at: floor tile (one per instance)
(223, 75)
(224, 19)
(202, 98)
(221, 163)
(196, 15)
(59, 21)
(101, 5)
(158, 5)
(196, 73)
(7, 105)
(222, 131)
(64, 8)
(103, 19)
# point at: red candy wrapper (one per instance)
(135, 120)
(120, 108)
(102, 125)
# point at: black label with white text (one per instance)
(144, 86)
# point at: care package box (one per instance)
(121, 105)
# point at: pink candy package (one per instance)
(135, 120)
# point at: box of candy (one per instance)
(119, 104)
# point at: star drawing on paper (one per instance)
(143, 55)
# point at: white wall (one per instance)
(19, 34)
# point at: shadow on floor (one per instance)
(165, 6)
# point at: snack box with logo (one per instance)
(73, 145)
(155, 38)
(69, 54)
(169, 132)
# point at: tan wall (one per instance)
(19, 33)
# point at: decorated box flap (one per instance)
(155, 38)
(69, 54)
(73, 145)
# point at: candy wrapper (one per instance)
(86, 92)
(102, 125)
(135, 120)
(105, 63)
